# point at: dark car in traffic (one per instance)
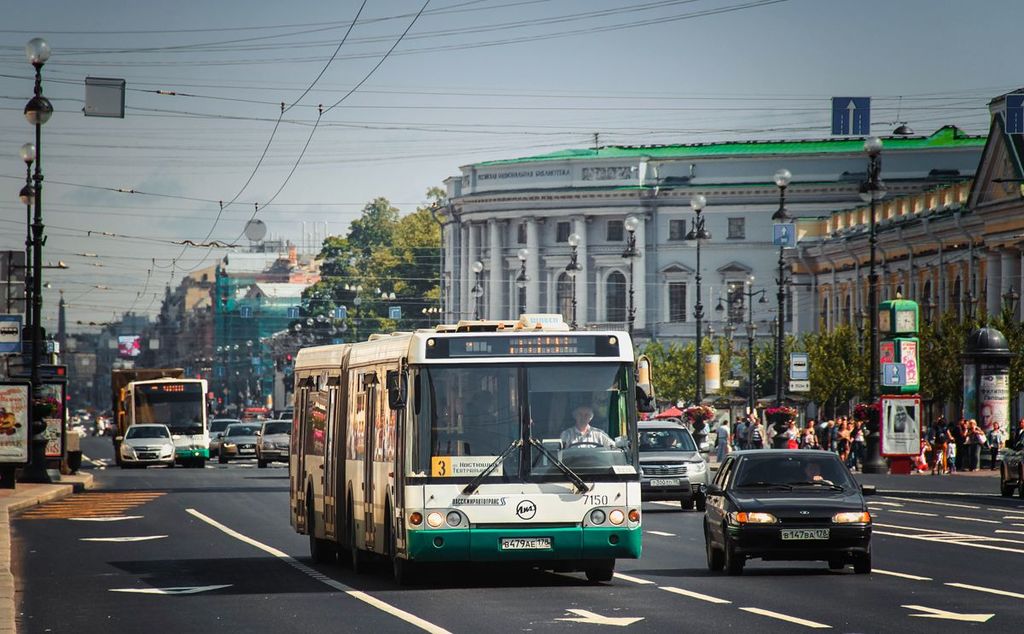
(778, 504)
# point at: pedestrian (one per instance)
(739, 434)
(843, 442)
(722, 440)
(756, 440)
(941, 440)
(1016, 441)
(770, 435)
(975, 440)
(995, 443)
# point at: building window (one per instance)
(615, 297)
(521, 233)
(677, 301)
(562, 232)
(736, 301)
(737, 228)
(615, 231)
(677, 229)
(563, 296)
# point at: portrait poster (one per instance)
(901, 426)
(994, 398)
(908, 357)
(15, 414)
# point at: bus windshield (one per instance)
(177, 405)
(470, 415)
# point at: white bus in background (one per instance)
(178, 403)
(444, 445)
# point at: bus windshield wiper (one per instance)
(581, 486)
(474, 484)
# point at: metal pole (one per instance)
(751, 401)
(698, 315)
(873, 461)
(781, 334)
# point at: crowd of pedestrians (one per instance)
(950, 447)
(842, 435)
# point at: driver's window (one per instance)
(724, 473)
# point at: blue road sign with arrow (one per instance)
(1015, 114)
(851, 116)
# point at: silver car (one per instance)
(217, 427)
(239, 441)
(145, 445)
(671, 465)
(273, 442)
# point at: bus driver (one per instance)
(582, 433)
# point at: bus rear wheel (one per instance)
(600, 571)
(319, 549)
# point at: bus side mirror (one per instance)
(398, 389)
(644, 386)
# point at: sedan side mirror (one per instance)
(714, 489)
(867, 489)
(705, 447)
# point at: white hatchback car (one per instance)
(146, 445)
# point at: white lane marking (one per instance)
(663, 534)
(643, 582)
(996, 509)
(412, 619)
(1005, 593)
(884, 503)
(1005, 532)
(901, 575)
(935, 613)
(96, 461)
(949, 504)
(899, 492)
(593, 618)
(663, 503)
(786, 617)
(120, 518)
(942, 538)
(178, 590)
(1016, 524)
(141, 538)
(916, 513)
(971, 519)
(693, 595)
(1011, 518)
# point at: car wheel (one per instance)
(836, 564)
(687, 504)
(262, 464)
(600, 571)
(700, 503)
(1006, 490)
(732, 561)
(222, 459)
(715, 556)
(862, 564)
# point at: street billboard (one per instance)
(901, 426)
(14, 422)
(129, 346)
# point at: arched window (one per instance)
(848, 310)
(824, 312)
(563, 296)
(615, 297)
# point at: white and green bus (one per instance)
(457, 444)
(178, 403)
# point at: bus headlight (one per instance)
(415, 518)
(617, 517)
(454, 518)
(598, 516)
(434, 519)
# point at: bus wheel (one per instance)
(356, 556)
(319, 549)
(403, 570)
(600, 571)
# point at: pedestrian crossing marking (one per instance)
(90, 505)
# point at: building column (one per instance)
(640, 274)
(993, 277)
(450, 261)
(579, 227)
(1010, 277)
(494, 304)
(464, 285)
(533, 266)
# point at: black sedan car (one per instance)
(777, 504)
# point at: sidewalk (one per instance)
(11, 501)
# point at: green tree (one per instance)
(838, 367)
(942, 344)
(672, 370)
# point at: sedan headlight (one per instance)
(852, 517)
(229, 445)
(697, 467)
(742, 517)
(267, 445)
(167, 450)
(127, 451)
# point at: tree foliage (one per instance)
(838, 367)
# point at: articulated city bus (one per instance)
(178, 403)
(457, 444)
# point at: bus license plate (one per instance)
(525, 543)
(662, 482)
(804, 533)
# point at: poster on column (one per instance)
(908, 357)
(901, 425)
(970, 393)
(713, 373)
(54, 393)
(994, 397)
(14, 422)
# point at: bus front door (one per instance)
(371, 383)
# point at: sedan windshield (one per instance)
(667, 439)
(792, 470)
(146, 431)
(221, 424)
(242, 430)
(277, 428)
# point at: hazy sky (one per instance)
(472, 80)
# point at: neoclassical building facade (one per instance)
(508, 226)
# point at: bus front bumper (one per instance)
(191, 454)
(485, 544)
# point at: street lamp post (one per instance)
(522, 279)
(751, 398)
(697, 234)
(477, 290)
(872, 191)
(37, 112)
(749, 294)
(1010, 298)
(631, 253)
(27, 196)
(782, 179)
(572, 269)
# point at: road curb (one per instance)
(22, 497)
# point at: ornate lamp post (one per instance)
(27, 195)
(751, 396)
(572, 269)
(873, 190)
(522, 279)
(782, 179)
(631, 253)
(478, 290)
(37, 111)
(698, 233)
(1010, 298)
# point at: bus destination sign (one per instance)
(522, 346)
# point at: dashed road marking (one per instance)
(359, 595)
(916, 513)
(661, 533)
(901, 575)
(949, 504)
(945, 537)
(1006, 532)
(1005, 593)
(120, 518)
(788, 618)
(141, 538)
(971, 519)
(638, 580)
(694, 595)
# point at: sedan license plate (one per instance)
(804, 534)
(246, 450)
(664, 482)
(525, 543)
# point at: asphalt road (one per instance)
(216, 552)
